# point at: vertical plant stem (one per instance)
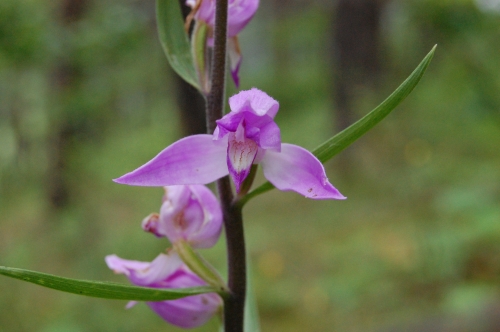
(233, 221)
(234, 304)
(215, 99)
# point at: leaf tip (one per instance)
(434, 48)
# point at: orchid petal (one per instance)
(231, 121)
(240, 12)
(145, 273)
(207, 236)
(228, 123)
(205, 11)
(255, 101)
(168, 271)
(124, 266)
(295, 168)
(270, 137)
(173, 222)
(190, 311)
(194, 159)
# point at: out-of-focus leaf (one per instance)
(101, 289)
(347, 136)
(174, 40)
(198, 44)
(252, 322)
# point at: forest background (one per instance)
(86, 95)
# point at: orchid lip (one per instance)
(240, 157)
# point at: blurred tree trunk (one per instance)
(191, 103)
(66, 75)
(356, 28)
(192, 107)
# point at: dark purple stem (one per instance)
(215, 99)
(234, 304)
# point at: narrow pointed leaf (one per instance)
(346, 137)
(174, 39)
(102, 289)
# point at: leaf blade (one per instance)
(174, 40)
(101, 289)
(251, 320)
(346, 137)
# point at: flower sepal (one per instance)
(200, 266)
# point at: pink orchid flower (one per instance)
(245, 136)
(240, 12)
(168, 271)
(189, 213)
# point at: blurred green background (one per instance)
(86, 95)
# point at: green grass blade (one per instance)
(339, 142)
(174, 40)
(252, 321)
(101, 289)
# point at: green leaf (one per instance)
(102, 289)
(198, 45)
(251, 322)
(174, 40)
(346, 137)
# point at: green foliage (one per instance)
(345, 138)
(417, 240)
(21, 18)
(174, 40)
(252, 321)
(101, 289)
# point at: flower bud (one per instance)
(190, 213)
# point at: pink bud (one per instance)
(190, 213)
